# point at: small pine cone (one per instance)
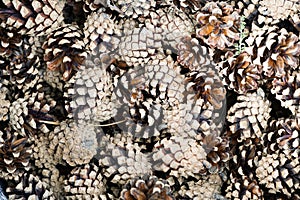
(278, 10)
(205, 187)
(4, 104)
(101, 34)
(287, 91)
(243, 188)
(64, 50)
(249, 114)
(122, 159)
(240, 73)
(217, 150)
(85, 182)
(147, 187)
(36, 17)
(219, 23)
(76, 143)
(29, 186)
(134, 8)
(35, 112)
(191, 54)
(23, 67)
(279, 174)
(89, 94)
(10, 40)
(207, 85)
(15, 152)
(275, 49)
(182, 156)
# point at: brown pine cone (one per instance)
(29, 186)
(275, 49)
(240, 73)
(219, 23)
(15, 152)
(191, 54)
(32, 17)
(85, 182)
(147, 187)
(64, 50)
(287, 91)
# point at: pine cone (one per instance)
(134, 8)
(64, 50)
(4, 104)
(191, 54)
(182, 156)
(219, 23)
(278, 9)
(101, 34)
(30, 186)
(32, 17)
(10, 40)
(15, 152)
(275, 49)
(278, 169)
(85, 182)
(147, 187)
(287, 90)
(76, 143)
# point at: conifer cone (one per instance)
(248, 120)
(278, 169)
(287, 91)
(36, 17)
(101, 35)
(275, 49)
(277, 10)
(30, 186)
(121, 158)
(4, 103)
(134, 8)
(219, 23)
(64, 50)
(146, 187)
(240, 73)
(191, 54)
(74, 143)
(10, 40)
(85, 182)
(15, 152)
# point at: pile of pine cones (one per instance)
(135, 99)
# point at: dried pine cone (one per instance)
(30, 186)
(36, 17)
(287, 90)
(134, 8)
(275, 49)
(191, 54)
(64, 50)
(74, 143)
(278, 169)
(147, 187)
(4, 103)
(219, 23)
(101, 34)
(15, 152)
(278, 9)
(240, 73)
(85, 182)
(10, 40)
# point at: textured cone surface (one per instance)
(240, 73)
(15, 152)
(64, 50)
(29, 186)
(219, 24)
(32, 17)
(134, 8)
(85, 182)
(4, 103)
(147, 187)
